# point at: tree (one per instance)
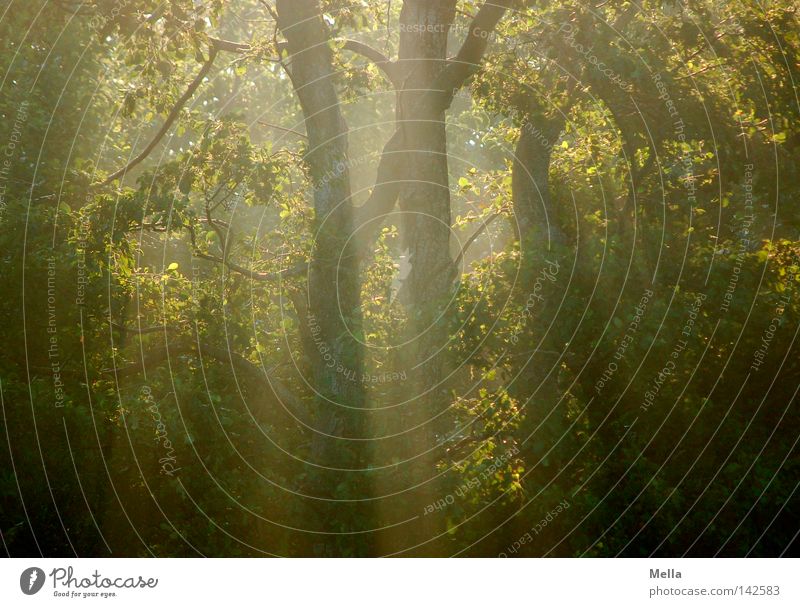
(379, 278)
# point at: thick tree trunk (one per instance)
(334, 310)
(425, 196)
(537, 220)
(544, 277)
(429, 83)
(425, 204)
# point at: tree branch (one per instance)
(283, 128)
(252, 274)
(379, 59)
(297, 270)
(173, 115)
(228, 45)
(143, 330)
(388, 66)
(386, 189)
(459, 69)
(481, 229)
(157, 356)
(453, 76)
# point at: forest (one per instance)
(413, 278)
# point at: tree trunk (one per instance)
(537, 220)
(427, 85)
(424, 201)
(425, 195)
(334, 292)
(544, 278)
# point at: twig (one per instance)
(283, 128)
(173, 115)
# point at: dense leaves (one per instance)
(240, 344)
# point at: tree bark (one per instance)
(334, 292)
(424, 201)
(543, 278)
(537, 219)
(425, 195)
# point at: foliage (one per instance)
(161, 378)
